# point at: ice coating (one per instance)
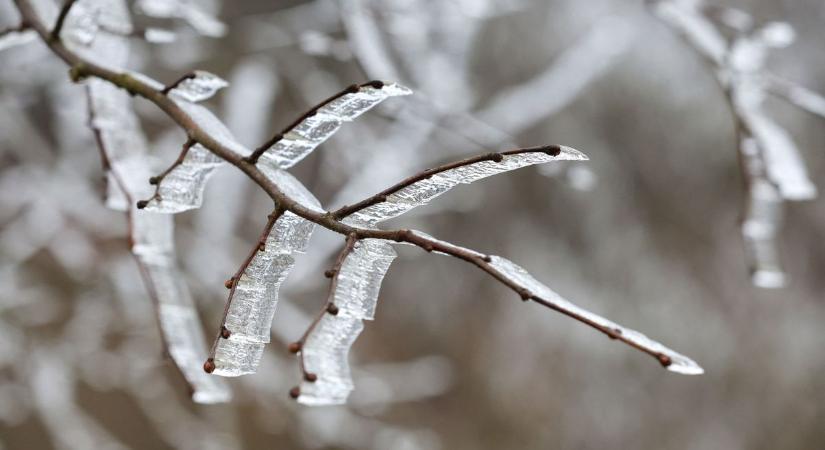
(523, 280)
(182, 188)
(326, 350)
(255, 297)
(122, 142)
(423, 191)
(301, 139)
(200, 86)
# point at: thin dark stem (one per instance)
(15, 29)
(61, 17)
(256, 154)
(157, 179)
(232, 284)
(329, 306)
(175, 84)
(380, 197)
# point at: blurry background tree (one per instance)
(646, 233)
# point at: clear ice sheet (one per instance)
(326, 351)
(202, 86)
(303, 138)
(423, 191)
(117, 127)
(252, 309)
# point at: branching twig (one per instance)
(329, 307)
(61, 17)
(232, 284)
(175, 84)
(380, 197)
(157, 179)
(253, 157)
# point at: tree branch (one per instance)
(61, 17)
(82, 68)
(157, 179)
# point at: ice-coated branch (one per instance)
(419, 189)
(157, 179)
(241, 347)
(302, 136)
(770, 163)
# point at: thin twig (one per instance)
(61, 17)
(329, 307)
(175, 84)
(256, 154)
(232, 284)
(157, 179)
(380, 197)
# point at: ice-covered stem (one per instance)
(232, 284)
(61, 17)
(380, 197)
(157, 179)
(130, 226)
(256, 154)
(81, 68)
(328, 308)
(175, 84)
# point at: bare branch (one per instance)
(61, 17)
(156, 180)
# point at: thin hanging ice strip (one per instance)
(249, 316)
(423, 191)
(327, 348)
(123, 144)
(300, 139)
(762, 221)
(182, 188)
(521, 279)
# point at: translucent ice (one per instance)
(201, 86)
(302, 138)
(327, 348)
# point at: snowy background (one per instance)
(646, 233)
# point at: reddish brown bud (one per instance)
(352, 89)
(377, 84)
(142, 204)
(209, 365)
(225, 333)
(664, 360)
(525, 294)
(329, 273)
(295, 392)
(332, 309)
(553, 150)
(294, 347)
(497, 157)
(311, 377)
(228, 283)
(154, 180)
(488, 258)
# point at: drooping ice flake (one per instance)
(406, 196)
(182, 188)
(13, 38)
(123, 145)
(200, 86)
(189, 11)
(301, 138)
(96, 30)
(521, 279)
(255, 295)
(326, 350)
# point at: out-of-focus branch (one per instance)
(61, 17)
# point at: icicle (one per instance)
(201, 86)
(301, 139)
(326, 350)
(423, 191)
(253, 303)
